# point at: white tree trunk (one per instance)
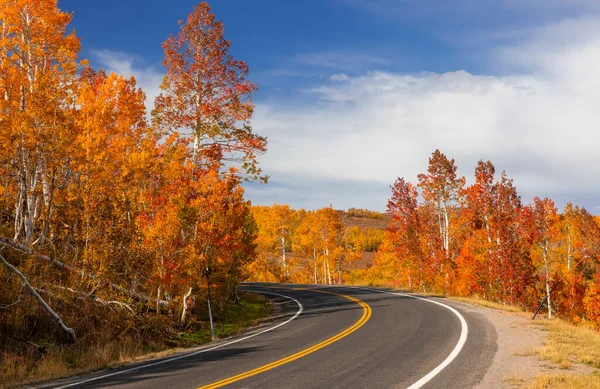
(446, 231)
(315, 262)
(547, 278)
(327, 262)
(185, 305)
(34, 293)
(283, 259)
(158, 292)
(569, 248)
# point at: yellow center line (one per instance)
(367, 311)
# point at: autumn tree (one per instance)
(38, 65)
(495, 257)
(576, 247)
(405, 231)
(206, 94)
(441, 189)
(362, 239)
(544, 226)
(307, 241)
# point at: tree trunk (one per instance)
(446, 231)
(185, 305)
(158, 292)
(315, 262)
(32, 291)
(285, 271)
(547, 279)
(569, 248)
(212, 327)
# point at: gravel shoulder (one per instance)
(516, 362)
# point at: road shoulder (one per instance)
(516, 362)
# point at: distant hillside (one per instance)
(365, 220)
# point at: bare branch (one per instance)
(2, 306)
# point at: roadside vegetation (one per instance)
(565, 345)
(565, 381)
(109, 339)
(488, 304)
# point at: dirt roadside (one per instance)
(516, 362)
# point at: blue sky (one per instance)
(355, 93)
(285, 42)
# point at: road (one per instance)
(329, 337)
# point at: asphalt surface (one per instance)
(404, 340)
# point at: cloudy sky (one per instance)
(356, 93)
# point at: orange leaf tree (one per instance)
(206, 94)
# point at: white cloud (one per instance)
(541, 123)
(344, 60)
(339, 77)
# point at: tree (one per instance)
(308, 242)
(276, 225)
(36, 71)
(544, 224)
(405, 231)
(329, 229)
(206, 94)
(497, 257)
(441, 188)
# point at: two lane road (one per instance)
(329, 337)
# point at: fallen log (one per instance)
(34, 293)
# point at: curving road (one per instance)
(329, 337)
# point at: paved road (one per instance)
(344, 338)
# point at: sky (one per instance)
(353, 94)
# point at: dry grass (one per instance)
(567, 344)
(514, 380)
(565, 381)
(61, 361)
(488, 304)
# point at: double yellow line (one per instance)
(364, 318)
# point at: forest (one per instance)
(445, 237)
(116, 223)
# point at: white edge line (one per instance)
(459, 345)
(162, 361)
